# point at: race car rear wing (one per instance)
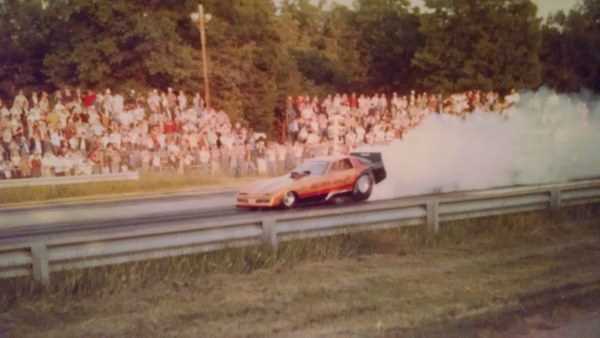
(375, 161)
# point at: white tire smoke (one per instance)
(545, 138)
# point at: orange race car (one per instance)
(317, 180)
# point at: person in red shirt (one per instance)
(89, 99)
(353, 101)
(169, 127)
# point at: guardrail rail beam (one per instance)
(85, 249)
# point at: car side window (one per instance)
(342, 165)
(346, 164)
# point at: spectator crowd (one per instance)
(72, 132)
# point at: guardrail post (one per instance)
(270, 233)
(433, 220)
(555, 201)
(40, 268)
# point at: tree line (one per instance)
(261, 51)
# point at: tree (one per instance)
(570, 49)
(556, 56)
(323, 44)
(23, 37)
(246, 60)
(118, 43)
(388, 39)
(480, 44)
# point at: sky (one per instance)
(548, 6)
(545, 6)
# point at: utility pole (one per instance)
(200, 19)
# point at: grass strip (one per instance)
(148, 183)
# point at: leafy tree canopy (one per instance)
(260, 52)
(480, 44)
(571, 48)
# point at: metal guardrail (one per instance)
(39, 181)
(97, 248)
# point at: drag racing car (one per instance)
(317, 180)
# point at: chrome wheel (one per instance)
(363, 184)
(362, 187)
(289, 199)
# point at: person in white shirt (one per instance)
(115, 139)
(7, 136)
(20, 102)
(5, 169)
(312, 138)
(104, 140)
(182, 101)
(360, 134)
(107, 102)
(85, 167)
(15, 160)
(198, 102)
(55, 138)
(74, 143)
(47, 164)
(4, 111)
(126, 118)
(118, 103)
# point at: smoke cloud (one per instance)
(545, 138)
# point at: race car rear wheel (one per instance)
(362, 187)
(290, 199)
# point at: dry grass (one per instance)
(355, 285)
(121, 278)
(149, 182)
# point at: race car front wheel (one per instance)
(289, 199)
(362, 187)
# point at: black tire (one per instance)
(363, 186)
(290, 200)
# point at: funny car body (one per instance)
(317, 180)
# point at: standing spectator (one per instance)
(89, 99)
(36, 166)
(20, 103)
(215, 163)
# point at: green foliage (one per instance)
(320, 69)
(323, 45)
(259, 52)
(570, 48)
(489, 44)
(122, 43)
(23, 35)
(388, 39)
(245, 59)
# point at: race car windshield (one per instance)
(315, 168)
